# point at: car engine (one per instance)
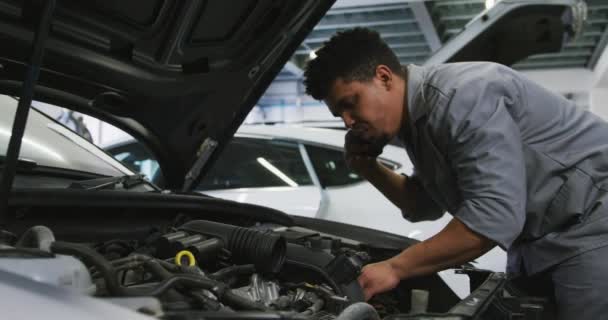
(184, 264)
(206, 266)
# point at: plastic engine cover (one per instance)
(60, 270)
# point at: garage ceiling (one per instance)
(415, 29)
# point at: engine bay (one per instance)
(170, 256)
(205, 266)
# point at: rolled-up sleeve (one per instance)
(484, 148)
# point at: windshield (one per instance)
(50, 144)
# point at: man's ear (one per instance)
(384, 74)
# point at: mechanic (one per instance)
(515, 164)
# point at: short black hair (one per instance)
(351, 55)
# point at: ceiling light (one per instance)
(312, 54)
(490, 3)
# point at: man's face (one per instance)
(371, 108)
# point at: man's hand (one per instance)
(452, 246)
(377, 278)
(361, 165)
(361, 154)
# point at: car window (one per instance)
(331, 167)
(244, 163)
(138, 158)
(52, 145)
(255, 163)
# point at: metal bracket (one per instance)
(204, 152)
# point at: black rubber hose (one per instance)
(241, 303)
(91, 258)
(39, 237)
(179, 280)
(206, 302)
(219, 289)
(232, 271)
(157, 269)
(266, 250)
(316, 306)
(137, 259)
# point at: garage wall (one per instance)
(574, 84)
(563, 81)
(587, 88)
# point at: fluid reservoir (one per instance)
(59, 270)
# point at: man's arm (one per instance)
(404, 192)
(392, 185)
(454, 245)
(407, 193)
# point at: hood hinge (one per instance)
(202, 155)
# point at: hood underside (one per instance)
(171, 73)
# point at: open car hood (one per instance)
(174, 74)
(513, 30)
(181, 76)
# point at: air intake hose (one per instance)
(265, 250)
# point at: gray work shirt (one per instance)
(513, 161)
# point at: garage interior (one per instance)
(307, 171)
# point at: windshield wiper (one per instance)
(127, 182)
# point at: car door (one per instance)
(264, 171)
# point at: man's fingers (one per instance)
(368, 292)
(361, 149)
(362, 279)
(365, 286)
(358, 157)
(358, 162)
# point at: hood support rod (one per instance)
(23, 108)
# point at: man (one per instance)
(516, 165)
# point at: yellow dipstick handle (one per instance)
(181, 254)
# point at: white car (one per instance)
(300, 171)
(325, 186)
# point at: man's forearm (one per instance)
(392, 185)
(454, 245)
